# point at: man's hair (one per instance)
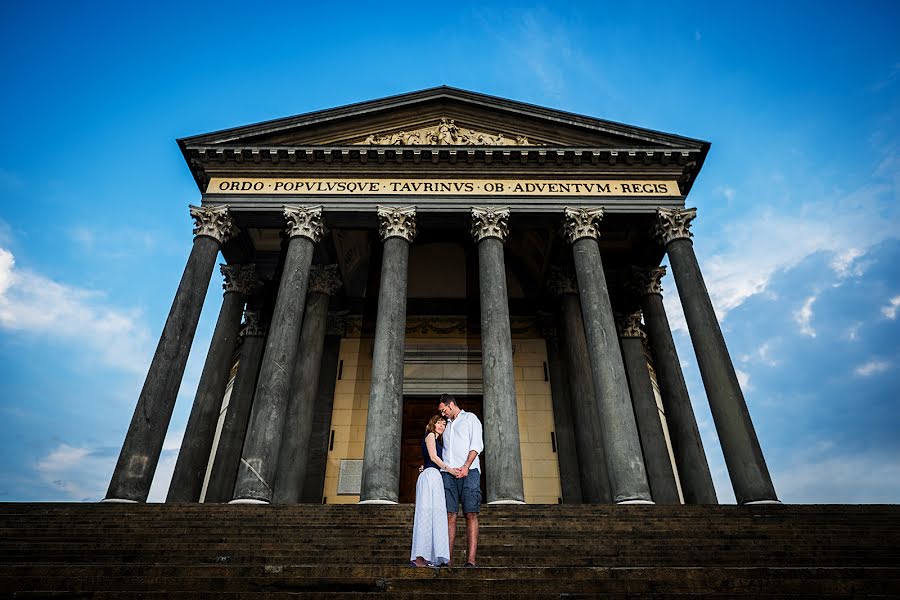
(446, 399)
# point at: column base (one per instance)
(759, 502)
(507, 502)
(636, 502)
(247, 501)
(377, 502)
(120, 501)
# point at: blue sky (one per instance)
(797, 232)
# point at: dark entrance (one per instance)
(416, 412)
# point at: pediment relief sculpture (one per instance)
(446, 133)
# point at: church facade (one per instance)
(380, 254)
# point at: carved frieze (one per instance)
(304, 221)
(629, 325)
(240, 278)
(430, 325)
(397, 222)
(490, 222)
(673, 223)
(445, 133)
(324, 279)
(581, 223)
(214, 222)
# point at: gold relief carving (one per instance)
(304, 221)
(581, 223)
(674, 223)
(629, 325)
(445, 133)
(397, 222)
(490, 222)
(214, 222)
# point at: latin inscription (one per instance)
(457, 187)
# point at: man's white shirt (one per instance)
(462, 435)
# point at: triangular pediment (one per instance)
(442, 116)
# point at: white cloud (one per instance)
(844, 479)
(852, 333)
(762, 355)
(80, 473)
(889, 311)
(872, 367)
(36, 305)
(743, 379)
(803, 317)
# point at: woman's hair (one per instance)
(432, 422)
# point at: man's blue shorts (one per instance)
(466, 490)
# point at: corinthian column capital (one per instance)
(252, 325)
(647, 280)
(397, 222)
(240, 278)
(561, 282)
(214, 222)
(673, 223)
(629, 325)
(490, 222)
(324, 279)
(581, 223)
(304, 221)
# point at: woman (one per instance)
(430, 542)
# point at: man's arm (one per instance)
(476, 444)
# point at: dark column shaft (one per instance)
(566, 451)
(260, 455)
(585, 407)
(627, 477)
(193, 458)
(143, 443)
(231, 440)
(381, 460)
(653, 442)
(294, 453)
(743, 455)
(321, 429)
(693, 469)
(501, 423)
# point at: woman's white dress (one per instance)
(430, 538)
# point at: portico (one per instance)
(443, 241)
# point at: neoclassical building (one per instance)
(382, 253)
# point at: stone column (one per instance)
(625, 466)
(193, 458)
(140, 452)
(566, 452)
(503, 460)
(231, 439)
(743, 456)
(324, 281)
(381, 460)
(585, 407)
(693, 469)
(259, 459)
(320, 436)
(653, 440)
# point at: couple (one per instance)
(451, 475)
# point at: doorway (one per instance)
(416, 412)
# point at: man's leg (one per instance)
(471, 535)
(451, 524)
(471, 500)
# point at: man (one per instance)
(462, 444)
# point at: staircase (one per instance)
(153, 551)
